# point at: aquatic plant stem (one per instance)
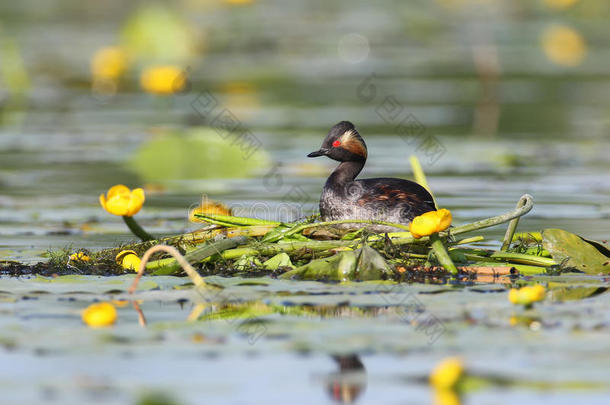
(231, 220)
(188, 269)
(298, 228)
(474, 226)
(136, 229)
(441, 254)
(419, 176)
(524, 258)
(512, 226)
(486, 223)
(197, 255)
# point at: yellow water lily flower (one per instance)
(163, 80)
(108, 63)
(79, 257)
(128, 259)
(430, 222)
(100, 315)
(447, 373)
(527, 295)
(120, 200)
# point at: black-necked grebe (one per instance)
(381, 199)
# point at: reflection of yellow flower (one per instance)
(446, 397)
(128, 259)
(163, 79)
(430, 222)
(121, 201)
(564, 45)
(100, 315)
(209, 207)
(80, 257)
(108, 63)
(527, 295)
(559, 3)
(447, 373)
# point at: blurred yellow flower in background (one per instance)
(430, 222)
(99, 315)
(108, 63)
(564, 46)
(447, 374)
(527, 295)
(163, 79)
(80, 256)
(128, 259)
(239, 2)
(560, 3)
(122, 201)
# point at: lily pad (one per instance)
(575, 251)
(198, 154)
(576, 293)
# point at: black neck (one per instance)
(345, 172)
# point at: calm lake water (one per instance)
(489, 116)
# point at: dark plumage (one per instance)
(383, 199)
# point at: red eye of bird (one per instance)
(336, 143)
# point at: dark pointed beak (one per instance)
(317, 153)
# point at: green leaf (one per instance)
(576, 251)
(371, 265)
(358, 265)
(340, 267)
(279, 260)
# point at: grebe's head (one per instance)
(342, 143)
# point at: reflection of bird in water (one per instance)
(347, 384)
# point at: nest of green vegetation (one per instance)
(313, 250)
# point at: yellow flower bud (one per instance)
(527, 295)
(447, 373)
(99, 315)
(430, 222)
(79, 257)
(128, 259)
(537, 292)
(119, 200)
(163, 80)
